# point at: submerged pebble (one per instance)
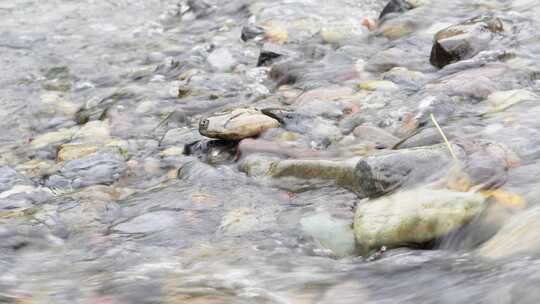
(331, 233)
(98, 168)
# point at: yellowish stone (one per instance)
(75, 151)
(172, 151)
(378, 85)
(56, 137)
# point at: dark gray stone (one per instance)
(463, 41)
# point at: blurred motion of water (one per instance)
(131, 79)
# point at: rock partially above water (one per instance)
(464, 40)
(237, 125)
(339, 171)
(250, 32)
(212, 151)
(413, 217)
(271, 52)
(395, 6)
(379, 174)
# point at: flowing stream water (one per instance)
(143, 223)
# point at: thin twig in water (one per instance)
(443, 136)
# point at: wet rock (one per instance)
(374, 175)
(98, 168)
(331, 233)
(488, 163)
(252, 32)
(464, 40)
(257, 165)
(73, 151)
(395, 6)
(237, 124)
(93, 131)
(425, 137)
(53, 138)
(212, 151)
(221, 60)
(97, 108)
(413, 217)
(272, 52)
(378, 136)
(289, 119)
(379, 174)
(290, 149)
(284, 73)
(267, 57)
(519, 236)
(339, 171)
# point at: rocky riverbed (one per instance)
(288, 151)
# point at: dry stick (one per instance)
(443, 136)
